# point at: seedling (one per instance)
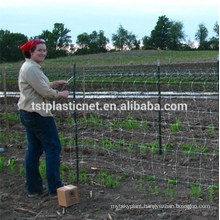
(190, 150)
(42, 169)
(211, 128)
(94, 121)
(107, 144)
(216, 151)
(140, 182)
(70, 122)
(154, 190)
(2, 164)
(22, 171)
(150, 178)
(167, 146)
(11, 164)
(177, 126)
(126, 175)
(109, 181)
(154, 147)
(173, 182)
(121, 144)
(11, 117)
(131, 147)
(15, 138)
(143, 149)
(72, 177)
(83, 176)
(130, 123)
(196, 191)
(170, 193)
(211, 192)
(63, 169)
(63, 140)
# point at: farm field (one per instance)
(141, 57)
(122, 173)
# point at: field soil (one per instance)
(133, 196)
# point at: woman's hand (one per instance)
(59, 83)
(64, 94)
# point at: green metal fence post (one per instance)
(159, 111)
(75, 123)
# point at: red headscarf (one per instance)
(30, 44)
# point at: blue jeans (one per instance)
(42, 136)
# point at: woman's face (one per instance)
(39, 53)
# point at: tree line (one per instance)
(167, 34)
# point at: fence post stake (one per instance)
(159, 111)
(84, 93)
(75, 123)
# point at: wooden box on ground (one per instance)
(68, 195)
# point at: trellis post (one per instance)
(159, 111)
(75, 123)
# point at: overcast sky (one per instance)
(136, 16)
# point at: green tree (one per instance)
(97, 42)
(92, 43)
(60, 36)
(160, 35)
(176, 35)
(201, 36)
(57, 41)
(216, 29)
(166, 34)
(10, 46)
(214, 41)
(137, 44)
(123, 38)
(147, 43)
(83, 40)
(2, 33)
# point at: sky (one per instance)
(137, 16)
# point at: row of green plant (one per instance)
(137, 80)
(177, 126)
(130, 123)
(196, 190)
(153, 147)
(68, 175)
(109, 180)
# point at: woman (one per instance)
(41, 130)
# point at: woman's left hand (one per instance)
(59, 83)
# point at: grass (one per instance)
(141, 57)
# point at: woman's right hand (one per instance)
(64, 94)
